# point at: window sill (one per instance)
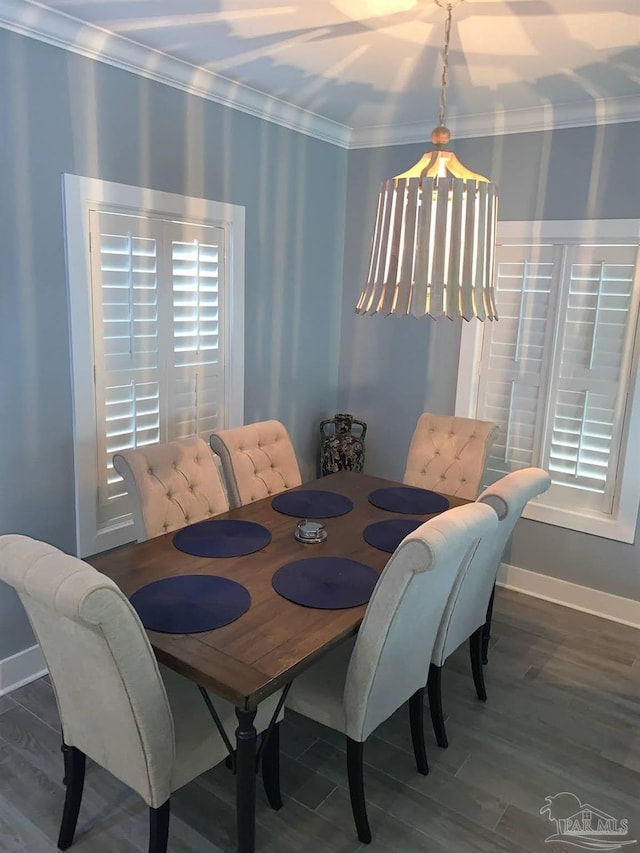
(620, 528)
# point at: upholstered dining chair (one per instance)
(466, 612)
(449, 454)
(146, 724)
(171, 485)
(258, 460)
(361, 683)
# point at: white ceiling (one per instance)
(365, 71)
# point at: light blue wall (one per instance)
(64, 113)
(392, 369)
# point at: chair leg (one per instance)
(159, 827)
(475, 649)
(486, 629)
(355, 772)
(416, 719)
(74, 767)
(271, 768)
(434, 688)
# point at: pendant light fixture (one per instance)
(433, 244)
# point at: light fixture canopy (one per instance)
(433, 244)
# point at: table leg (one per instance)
(246, 779)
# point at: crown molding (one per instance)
(39, 22)
(32, 19)
(547, 117)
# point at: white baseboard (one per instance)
(594, 601)
(21, 668)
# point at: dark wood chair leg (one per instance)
(486, 629)
(159, 828)
(271, 768)
(416, 719)
(74, 767)
(434, 688)
(475, 650)
(355, 772)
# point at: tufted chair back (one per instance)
(258, 460)
(467, 609)
(111, 698)
(171, 485)
(449, 454)
(390, 658)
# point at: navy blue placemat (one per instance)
(328, 583)
(388, 534)
(312, 503)
(222, 538)
(186, 604)
(408, 499)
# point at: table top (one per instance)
(275, 639)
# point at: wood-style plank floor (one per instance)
(563, 715)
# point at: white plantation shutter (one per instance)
(196, 384)
(159, 370)
(124, 271)
(515, 359)
(156, 308)
(556, 369)
(589, 387)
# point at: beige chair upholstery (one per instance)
(147, 725)
(359, 685)
(449, 454)
(258, 460)
(171, 485)
(465, 616)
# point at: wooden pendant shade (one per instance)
(433, 245)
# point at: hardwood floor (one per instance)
(563, 714)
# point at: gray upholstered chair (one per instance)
(361, 683)
(171, 485)
(258, 460)
(146, 724)
(469, 609)
(449, 454)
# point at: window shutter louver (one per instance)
(555, 369)
(125, 268)
(157, 332)
(197, 376)
(588, 392)
(515, 362)
(156, 300)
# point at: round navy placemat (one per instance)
(186, 604)
(408, 499)
(222, 538)
(328, 583)
(388, 534)
(312, 503)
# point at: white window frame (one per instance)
(80, 194)
(621, 524)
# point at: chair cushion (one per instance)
(449, 454)
(172, 485)
(318, 693)
(467, 606)
(258, 460)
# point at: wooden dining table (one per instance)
(269, 645)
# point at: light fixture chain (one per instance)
(442, 118)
